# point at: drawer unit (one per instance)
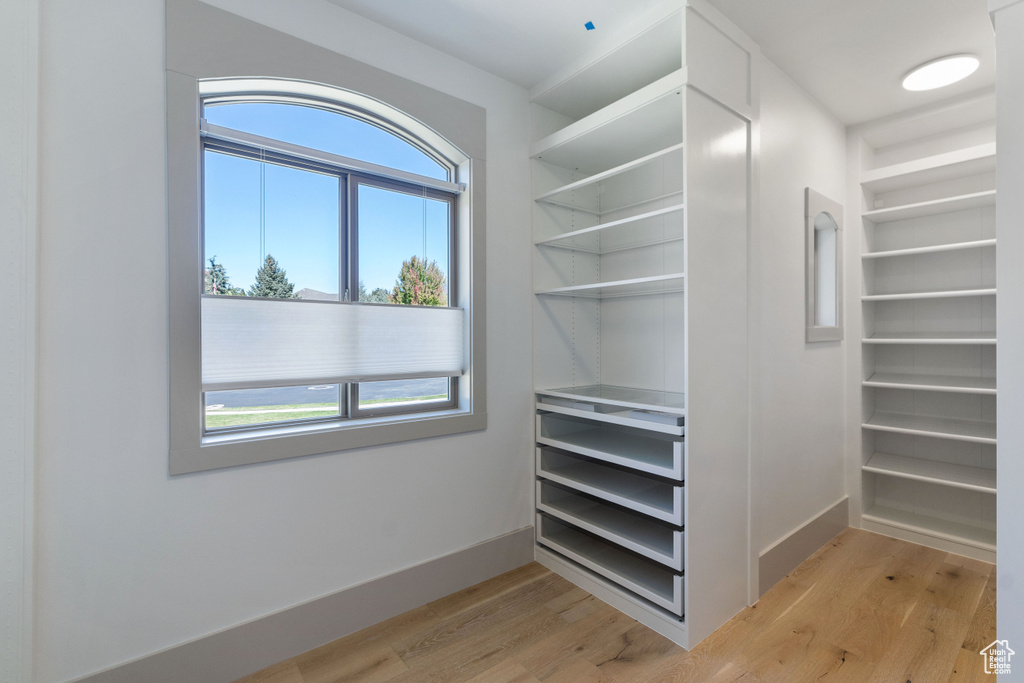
(657, 584)
(641, 534)
(664, 423)
(637, 449)
(650, 496)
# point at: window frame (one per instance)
(271, 150)
(190, 449)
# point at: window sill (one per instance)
(292, 441)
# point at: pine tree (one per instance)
(272, 281)
(217, 282)
(378, 296)
(420, 284)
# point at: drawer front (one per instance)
(644, 494)
(633, 531)
(656, 584)
(637, 449)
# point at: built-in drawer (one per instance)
(655, 583)
(646, 419)
(639, 449)
(648, 537)
(645, 494)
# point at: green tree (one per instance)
(272, 281)
(420, 283)
(216, 280)
(378, 296)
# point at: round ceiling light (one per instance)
(941, 72)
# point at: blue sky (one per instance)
(300, 208)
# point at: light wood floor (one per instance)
(863, 608)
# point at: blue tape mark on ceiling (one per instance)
(589, 26)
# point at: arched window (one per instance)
(328, 261)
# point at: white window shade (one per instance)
(260, 342)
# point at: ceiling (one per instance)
(850, 55)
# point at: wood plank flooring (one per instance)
(865, 607)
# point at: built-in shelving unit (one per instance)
(928, 351)
(630, 209)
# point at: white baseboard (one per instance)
(788, 552)
(244, 649)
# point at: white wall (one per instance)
(18, 55)
(797, 388)
(131, 560)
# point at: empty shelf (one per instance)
(960, 163)
(961, 385)
(571, 195)
(625, 397)
(659, 585)
(956, 246)
(938, 427)
(622, 527)
(942, 473)
(931, 338)
(633, 127)
(931, 208)
(651, 497)
(932, 526)
(589, 239)
(637, 449)
(947, 294)
(640, 286)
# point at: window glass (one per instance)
(325, 130)
(403, 392)
(269, 230)
(227, 409)
(403, 247)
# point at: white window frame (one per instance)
(193, 75)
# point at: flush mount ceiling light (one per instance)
(941, 72)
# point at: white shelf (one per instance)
(639, 124)
(942, 428)
(942, 473)
(645, 495)
(931, 338)
(956, 246)
(639, 450)
(947, 166)
(934, 207)
(639, 286)
(949, 294)
(571, 240)
(661, 586)
(945, 383)
(624, 397)
(571, 195)
(973, 536)
(635, 532)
